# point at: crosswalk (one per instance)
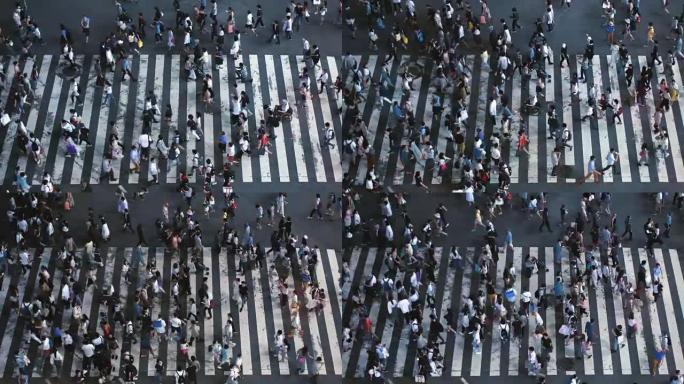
(591, 137)
(254, 326)
(298, 152)
(499, 358)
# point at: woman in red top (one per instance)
(523, 143)
(264, 142)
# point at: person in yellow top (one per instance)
(650, 33)
(674, 90)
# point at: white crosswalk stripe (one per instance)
(298, 155)
(608, 306)
(590, 137)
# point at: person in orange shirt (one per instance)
(523, 143)
(650, 34)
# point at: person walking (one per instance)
(612, 160)
(616, 339)
(126, 69)
(658, 358)
(591, 170)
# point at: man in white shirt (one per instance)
(612, 159)
(144, 141)
(88, 350)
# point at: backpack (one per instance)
(348, 148)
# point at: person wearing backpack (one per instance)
(329, 136)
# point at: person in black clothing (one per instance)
(641, 276)
(545, 220)
(288, 226)
(159, 370)
(129, 371)
(654, 54)
(436, 329)
(546, 348)
(275, 32)
(628, 227)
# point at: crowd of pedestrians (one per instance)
(40, 219)
(459, 27)
(589, 240)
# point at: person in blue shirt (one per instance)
(126, 69)
(397, 112)
(223, 141)
(558, 252)
(668, 224)
(22, 182)
(508, 243)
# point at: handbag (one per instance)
(230, 28)
(483, 19)
(404, 39)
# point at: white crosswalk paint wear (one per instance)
(624, 161)
(32, 115)
(566, 104)
(246, 161)
(550, 98)
(372, 125)
(12, 322)
(138, 111)
(245, 342)
(157, 87)
(666, 301)
(678, 278)
(300, 159)
(88, 106)
(514, 351)
(328, 315)
(49, 128)
(642, 353)
(374, 313)
(60, 153)
(457, 360)
(176, 119)
(223, 90)
(672, 125)
(533, 134)
(295, 126)
(652, 313)
(382, 164)
(259, 115)
(660, 166)
(400, 176)
(605, 332)
(604, 143)
(274, 100)
(124, 293)
(307, 109)
(335, 122)
(260, 314)
(514, 159)
(550, 316)
(191, 143)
